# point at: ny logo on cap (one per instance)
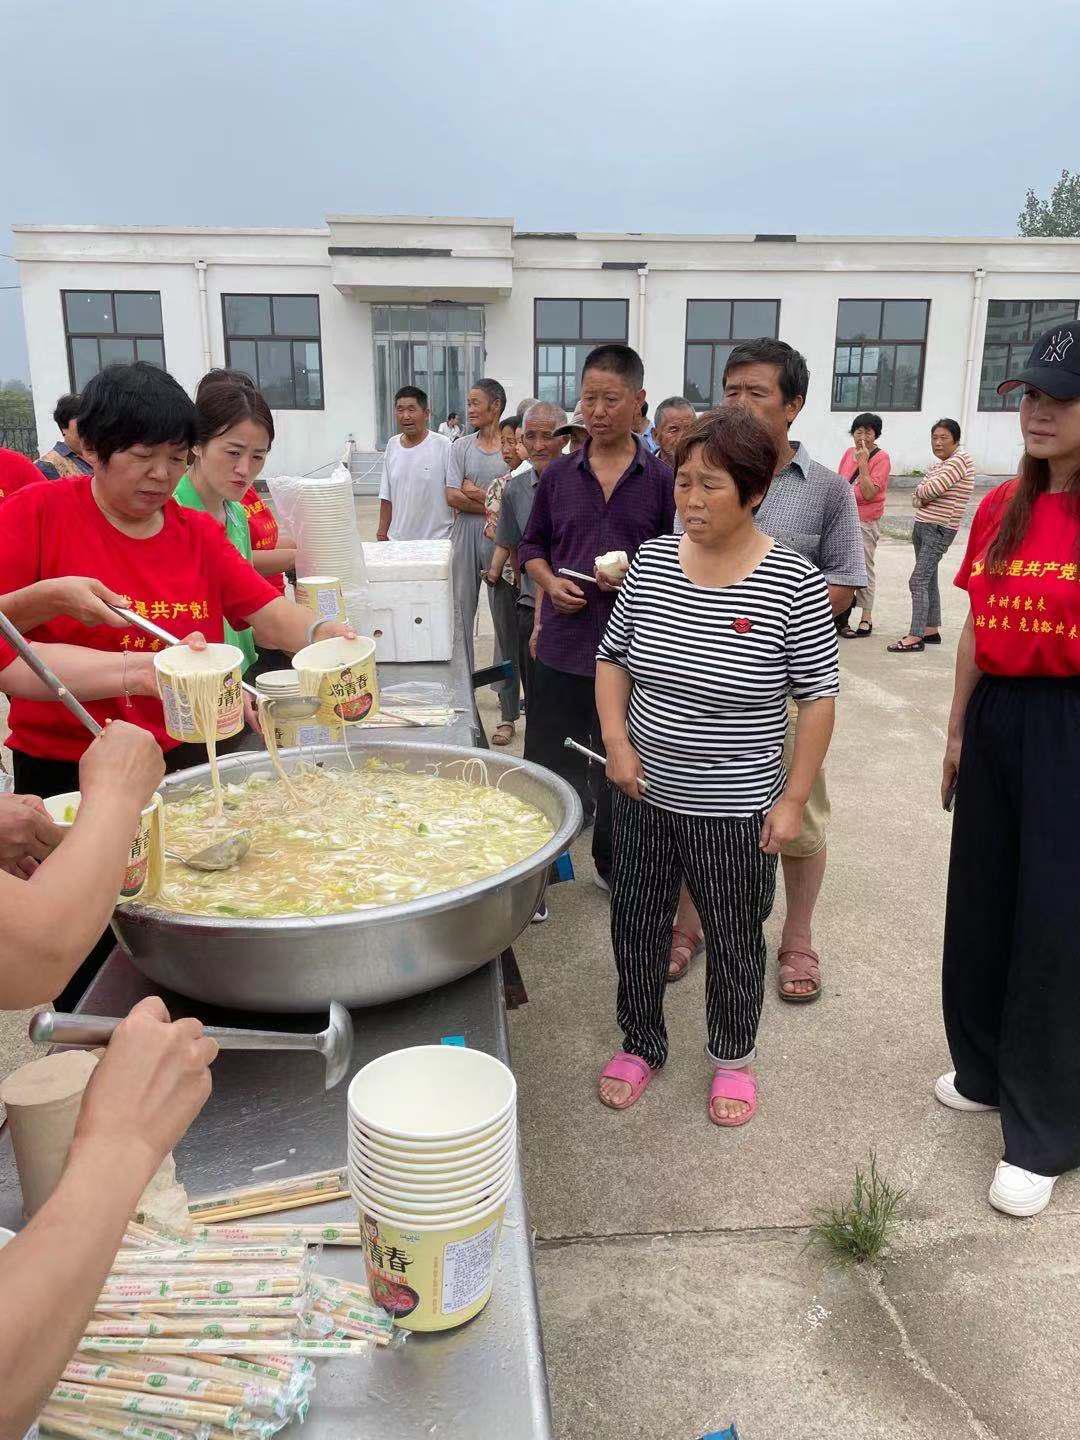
(1058, 348)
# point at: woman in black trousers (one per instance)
(1011, 978)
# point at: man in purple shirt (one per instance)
(612, 494)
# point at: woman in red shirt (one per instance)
(1011, 982)
(866, 468)
(122, 527)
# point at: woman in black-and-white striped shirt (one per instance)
(711, 632)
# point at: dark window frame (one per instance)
(700, 405)
(880, 344)
(270, 296)
(1011, 402)
(579, 339)
(98, 335)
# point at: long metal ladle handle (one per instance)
(48, 1027)
(569, 744)
(46, 676)
(142, 623)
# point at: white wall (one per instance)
(808, 278)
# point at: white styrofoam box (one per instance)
(410, 599)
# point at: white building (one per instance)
(332, 320)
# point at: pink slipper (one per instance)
(734, 1085)
(632, 1071)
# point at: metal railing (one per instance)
(19, 437)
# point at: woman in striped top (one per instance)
(940, 500)
(712, 630)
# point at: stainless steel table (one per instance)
(270, 1117)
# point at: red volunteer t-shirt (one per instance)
(15, 472)
(263, 529)
(186, 577)
(1027, 617)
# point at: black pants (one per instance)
(34, 776)
(732, 884)
(1011, 972)
(563, 705)
(526, 663)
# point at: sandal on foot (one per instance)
(632, 1071)
(799, 965)
(847, 633)
(934, 639)
(866, 627)
(901, 649)
(504, 733)
(682, 943)
(733, 1085)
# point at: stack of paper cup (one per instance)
(320, 514)
(432, 1153)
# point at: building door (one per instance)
(438, 347)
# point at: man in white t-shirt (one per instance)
(412, 496)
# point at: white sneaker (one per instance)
(600, 883)
(1020, 1192)
(946, 1091)
(541, 914)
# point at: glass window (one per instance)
(879, 374)
(440, 348)
(558, 319)
(603, 320)
(720, 322)
(259, 331)
(108, 327)
(579, 325)
(1020, 323)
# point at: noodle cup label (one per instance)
(225, 662)
(341, 674)
(430, 1279)
(142, 873)
(323, 594)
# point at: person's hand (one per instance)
(86, 600)
(251, 713)
(27, 834)
(624, 768)
(950, 766)
(567, 597)
(331, 629)
(140, 677)
(603, 583)
(382, 535)
(123, 760)
(492, 576)
(533, 640)
(782, 824)
(153, 1081)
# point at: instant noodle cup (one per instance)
(323, 594)
(426, 1153)
(146, 858)
(435, 1096)
(431, 1205)
(179, 667)
(341, 673)
(430, 1176)
(454, 1213)
(431, 1277)
(288, 733)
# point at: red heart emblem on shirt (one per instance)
(742, 626)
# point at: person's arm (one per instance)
(88, 674)
(51, 921)
(274, 562)
(386, 516)
(948, 474)
(153, 1081)
(535, 549)
(613, 686)
(964, 682)
(499, 558)
(813, 731)
(76, 596)
(840, 556)
(284, 625)
(534, 636)
(462, 494)
(869, 489)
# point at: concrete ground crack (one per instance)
(919, 1362)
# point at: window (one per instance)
(107, 327)
(880, 354)
(713, 328)
(276, 340)
(439, 347)
(1012, 327)
(565, 331)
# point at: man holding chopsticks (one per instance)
(612, 494)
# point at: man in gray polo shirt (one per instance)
(811, 509)
(539, 424)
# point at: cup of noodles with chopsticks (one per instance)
(613, 566)
(194, 681)
(146, 858)
(323, 594)
(341, 674)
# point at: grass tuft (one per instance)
(861, 1228)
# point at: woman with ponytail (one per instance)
(1011, 981)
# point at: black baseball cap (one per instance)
(1053, 365)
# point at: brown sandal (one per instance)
(503, 733)
(682, 943)
(799, 965)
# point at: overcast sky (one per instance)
(834, 117)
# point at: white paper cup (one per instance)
(224, 661)
(341, 674)
(428, 1153)
(5, 1236)
(433, 1094)
(323, 594)
(431, 1177)
(430, 1205)
(146, 856)
(448, 1215)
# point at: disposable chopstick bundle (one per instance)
(56, 1420)
(98, 1397)
(270, 1206)
(224, 1232)
(122, 1377)
(319, 1183)
(207, 1254)
(288, 1346)
(267, 1305)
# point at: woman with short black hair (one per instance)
(866, 468)
(1011, 982)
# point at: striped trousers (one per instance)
(732, 885)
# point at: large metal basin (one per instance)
(367, 957)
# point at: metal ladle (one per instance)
(334, 1044)
(222, 855)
